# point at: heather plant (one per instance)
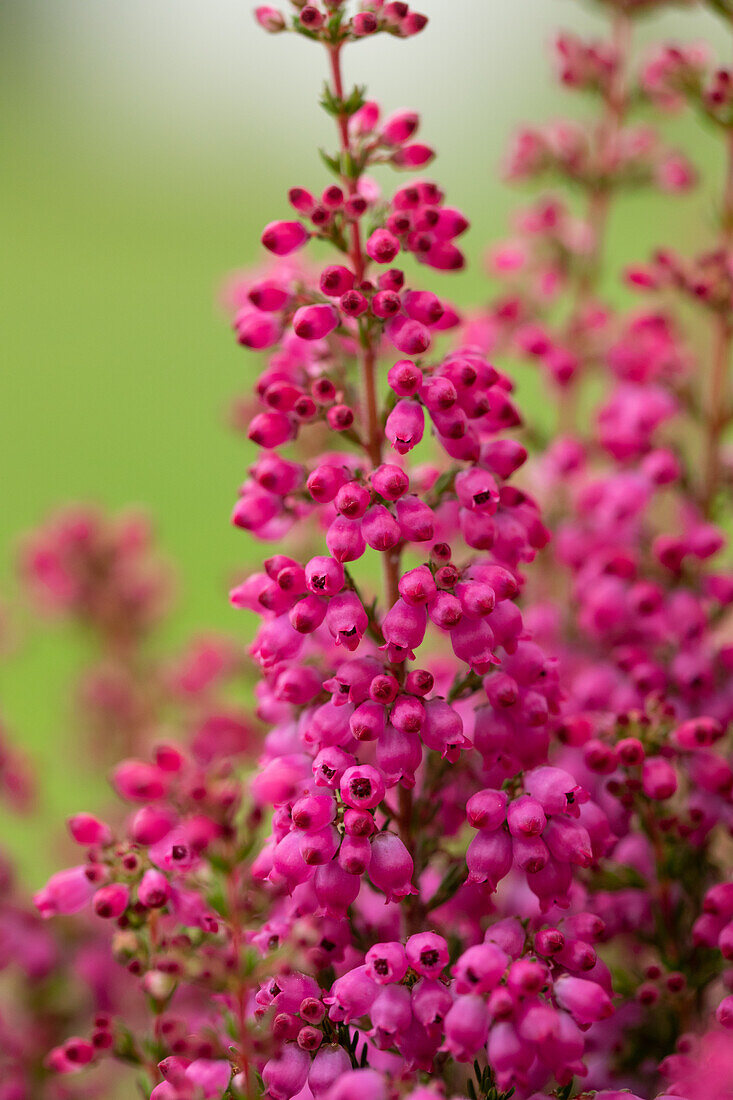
(481, 848)
(51, 978)
(104, 575)
(638, 486)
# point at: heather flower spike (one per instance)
(476, 850)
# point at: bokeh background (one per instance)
(144, 145)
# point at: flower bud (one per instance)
(137, 781)
(87, 829)
(384, 689)
(407, 714)
(352, 500)
(335, 889)
(154, 889)
(365, 120)
(480, 968)
(345, 540)
(285, 1075)
(489, 857)
(486, 809)
(423, 306)
(392, 280)
(318, 847)
(525, 817)
(347, 620)
(405, 425)
(390, 481)
(367, 721)
(473, 641)
(414, 155)
(311, 17)
(313, 812)
(111, 901)
(724, 1013)
(404, 629)
(391, 866)
(358, 823)
(308, 614)
(353, 303)
(417, 586)
(584, 1000)
(363, 23)
(282, 238)
(270, 19)
(315, 322)
(386, 304)
(382, 246)
(445, 610)
(416, 519)
(336, 280)
(256, 331)
(405, 378)
(355, 854)
(339, 417)
(270, 429)
(658, 778)
(399, 127)
(409, 337)
(380, 529)
(66, 892)
(419, 682)
(466, 1027)
(325, 482)
(301, 200)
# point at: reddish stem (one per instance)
(356, 253)
(373, 433)
(599, 199)
(367, 361)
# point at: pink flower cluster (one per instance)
(482, 847)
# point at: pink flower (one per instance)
(391, 866)
(283, 238)
(315, 322)
(405, 426)
(65, 892)
(270, 19)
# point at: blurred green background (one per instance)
(144, 145)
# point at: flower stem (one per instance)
(599, 199)
(372, 434)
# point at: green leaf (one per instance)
(445, 482)
(355, 101)
(332, 163)
(328, 100)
